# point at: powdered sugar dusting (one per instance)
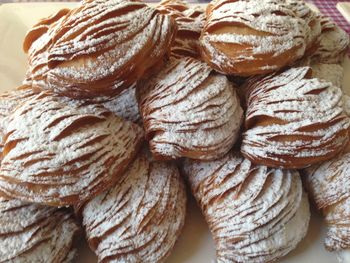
(329, 186)
(255, 213)
(277, 29)
(333, 44)
(82, 149)
(293, 121)
(103, 47)
(140, 218)
(185, 103)
(34, 233)
(190, 21)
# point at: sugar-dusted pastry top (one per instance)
(330, 72)
(329, 186)
(255, 213)
(102, 47)
(36, 43)
(61, 151)
(36, 233)
(252, 37)
(188, 110)
(190, 21)
(312, 19)
(141, 217)
(293, 120)
(334, 43)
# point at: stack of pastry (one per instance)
(120, 97)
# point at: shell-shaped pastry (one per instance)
(255, 213)
(140, 218)
(59, 151)
(252, 37)
(8, 102)
(35, 233)
(292, 120)
(36, 43)
(330, 72)
(103, 47)
(328, 185)
(313, 20)
(190, 22)
(125, 105)
(189, 111)
(334, 43)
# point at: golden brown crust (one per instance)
(252, 37)
(255, 213)
(59, 151)
(141, 217)
(82, 58)
(190, 21)
(35, 233)
(328, 186)
(185, 103)
(292, 120)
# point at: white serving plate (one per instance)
(195, 245)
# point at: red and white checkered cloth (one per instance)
(328, 8)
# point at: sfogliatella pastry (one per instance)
(312, 19)
(36, 43)
(328, 184)
(252, 37)
(188, 110)
(293, 120)
(255, 213)
(190, 21)
(102, 47)
(35, 233)
(334, 43)
(141, 217)
(330, 72)
(60, 151)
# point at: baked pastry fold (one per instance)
(60, 151)
(246, 38)
(141, 217)
(293, 120)
(329, 188)
(188, 110)
(36, 233)
(255, 213)
(102, 47)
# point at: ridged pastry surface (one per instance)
(329, 187)
(293, 120)
(34, 233)
(185, 103)
(334, 42)
(60, 151)
(102, 47)
(252, 37)
(190, 21)
(255, 213)
(140, 219)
